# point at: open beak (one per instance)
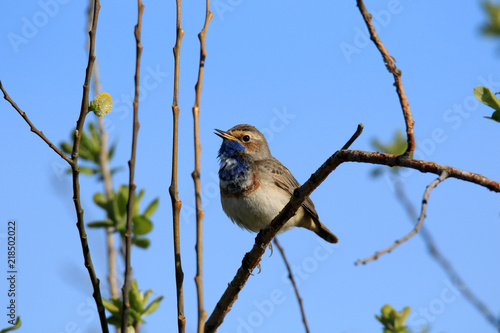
(224, 135)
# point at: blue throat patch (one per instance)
(232, 168)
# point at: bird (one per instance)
(255, 186)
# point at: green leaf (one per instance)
(100, 224)
(137, 201)
(116, 169)
(152, 307)
(67, 147)
(141, 225)
(122, 199)
(14, 327)
(100, 200)
(493, 22)
(115, 321)
(136, 297)
(112, 307)
(485, 96)
(153, 206)
(112, 150)
(141, 242)
(146, 297)
(88, 171)
(135, 315)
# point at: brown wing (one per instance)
(285, 180)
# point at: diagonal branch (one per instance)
(391, 67)
(131, 164)
(202, 314)
(443, 261)
(290, 276)
(430, 187)
(174, 192)
(262, 240)
(264, 237)
(33, 128)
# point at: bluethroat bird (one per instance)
(255, 186)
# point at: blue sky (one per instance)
(305, 74)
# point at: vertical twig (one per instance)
(76, 171)
(131, 164)
(202, 314)
(174, 192)
(290, 276)
(106, 173)
(398, 83)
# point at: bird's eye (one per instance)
(246, 138)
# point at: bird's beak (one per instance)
(224, 135)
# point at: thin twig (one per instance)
(443, 261)
(202, 314)
(264, 237)
(76, 171)
(106, 173)
(73, 162)
(430, 187)
(391, 67)
(131, 164)
(174, 192)
(354, 136)
(290, 276)
(33, 128)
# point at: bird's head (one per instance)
(243, 141)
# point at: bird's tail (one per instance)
(322, 231)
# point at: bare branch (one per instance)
(33, 128)
(262, 240)
(443, 261)
(106, 173)
(420, 165)
(131, 164)
(202, 314)
(174, 192)
(430, 187)
(391, 67)
(264, 237)
(76, 171)
(290, 276)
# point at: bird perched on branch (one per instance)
(255, 186)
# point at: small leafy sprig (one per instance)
(90, 151)
(14, 327)
(393, 320)
(485, 96)
(139, 307)
(116, 209)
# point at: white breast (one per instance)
(257, 209)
